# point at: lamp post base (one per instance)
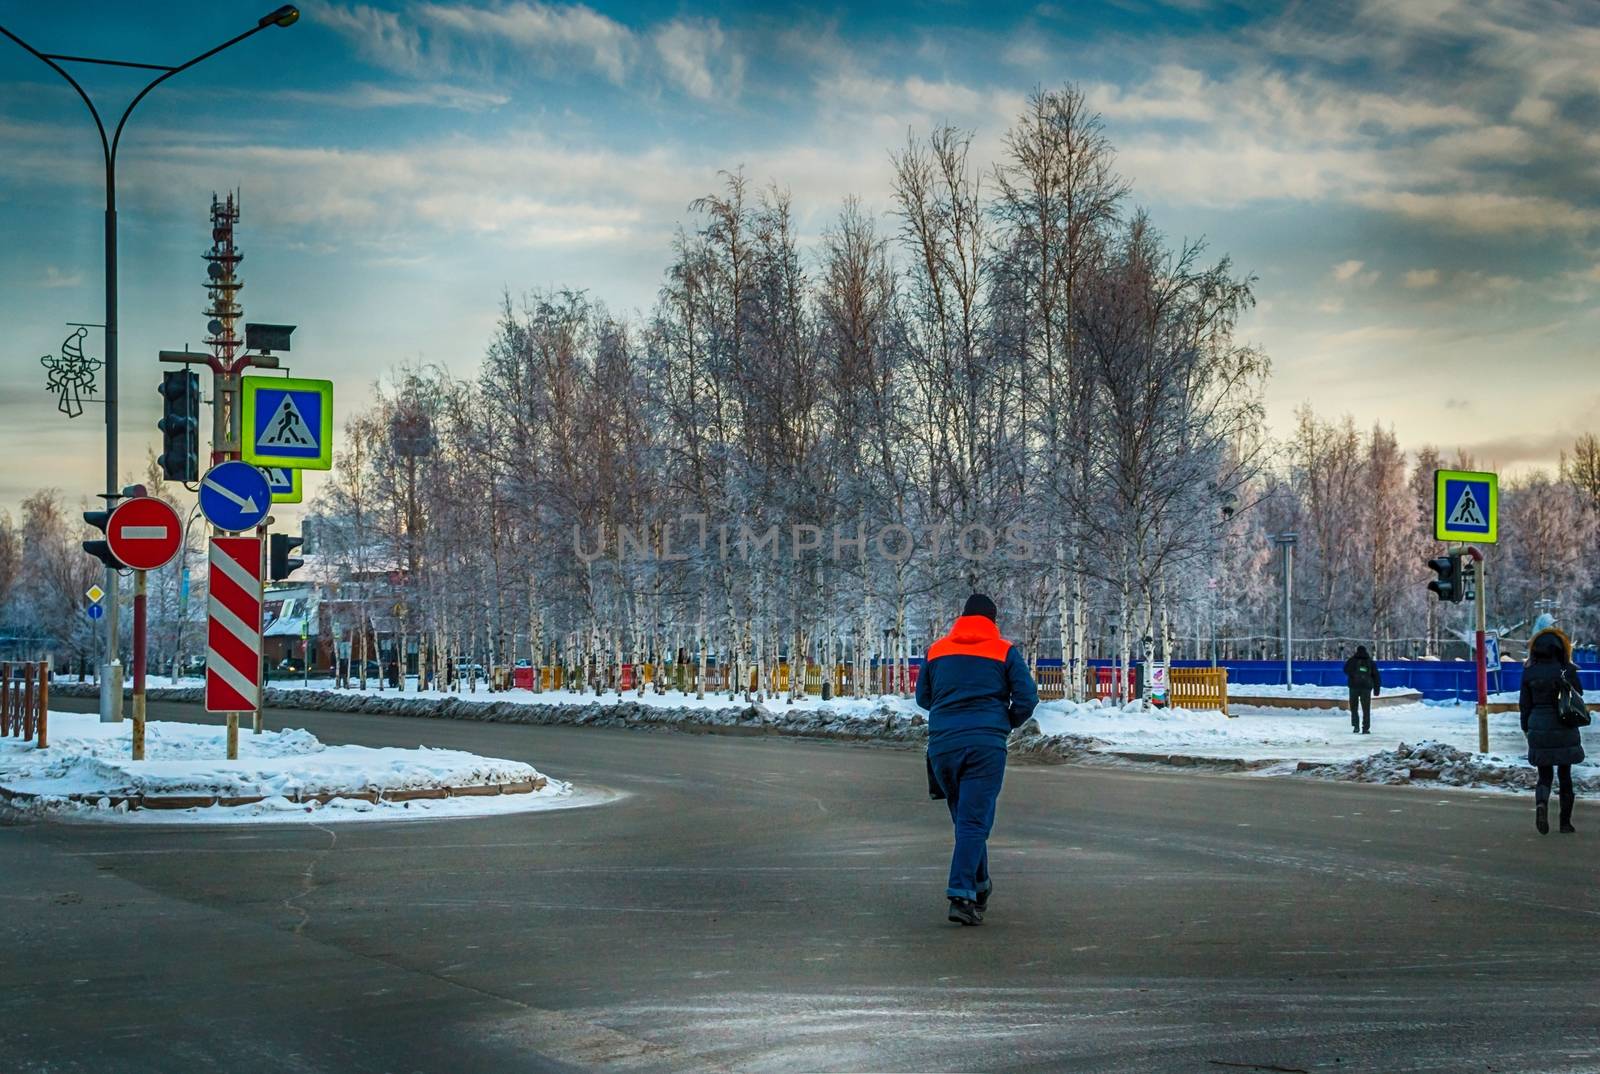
(111, 692)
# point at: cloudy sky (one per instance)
(1416, 183)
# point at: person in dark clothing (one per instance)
(1553, 747)
(1362, 673)
(977, 689)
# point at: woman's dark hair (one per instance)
(1361, 650)
(1548, 648)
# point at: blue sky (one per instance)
(1414, 182)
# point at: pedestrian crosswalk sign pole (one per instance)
(1466, 506)
(287, 421)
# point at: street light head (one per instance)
(287, 15)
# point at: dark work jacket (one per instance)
(975, 686)
(1549, 743)
(1363, 675)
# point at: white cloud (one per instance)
(1420, 278)
(545, 33)
(1172, 92)
(1486, 212)
(945, 98)
(1345, 271)
(689, 49)
(373, 95)
(384, 38)
(1352, 274)
(54, 277)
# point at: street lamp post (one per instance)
(111, 679)
(1288, 541)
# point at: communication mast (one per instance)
(224, 311)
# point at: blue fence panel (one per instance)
(1436, 680)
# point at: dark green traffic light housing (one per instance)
(1449, 587)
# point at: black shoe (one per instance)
(1541, 818)
(965, 912)
(983, 898)
(1567, 828)
(1366, 730)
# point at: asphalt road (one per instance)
(765, 905)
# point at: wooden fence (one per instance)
(1198, 688)
(25, 700)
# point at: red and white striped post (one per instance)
(233, 631)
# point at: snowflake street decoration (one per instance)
(70, 375)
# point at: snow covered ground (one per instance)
(1310, 734)
(90, 762)
(1436, 737)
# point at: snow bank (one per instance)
(1451, 766)
(88, 767)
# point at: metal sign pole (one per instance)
(1483, 655)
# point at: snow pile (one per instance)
(1444, 763)
(88, 763)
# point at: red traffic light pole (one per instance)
(1481, 599)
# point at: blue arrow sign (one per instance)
(234, 496)
(95, 611)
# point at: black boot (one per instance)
(965, 912)
(1567, 799)
(983, 896)
(1541, 817)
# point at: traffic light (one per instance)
(279, 563)
(180, 425)
(100, 549)
(1448, 586)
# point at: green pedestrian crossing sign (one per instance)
(1466, 506)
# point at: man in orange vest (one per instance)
(977, 689)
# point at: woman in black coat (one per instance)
(1552, 746)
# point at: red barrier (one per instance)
(1109, 682)
(522, 678)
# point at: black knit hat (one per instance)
(978, 604)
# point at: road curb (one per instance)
(374, 795)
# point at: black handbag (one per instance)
(1570, 709)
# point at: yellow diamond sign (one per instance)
(94, 594)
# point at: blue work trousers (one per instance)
(970, 777)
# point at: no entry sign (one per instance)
(144, 533)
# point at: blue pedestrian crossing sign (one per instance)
(284, 484)
(1466, 506)
(234, 496)
(287, 422)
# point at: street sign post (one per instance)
(233, 631)
(144, 533)
(1466, 506)
(288, 421)
(96, 612)
(285, 483)
(234, 496)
